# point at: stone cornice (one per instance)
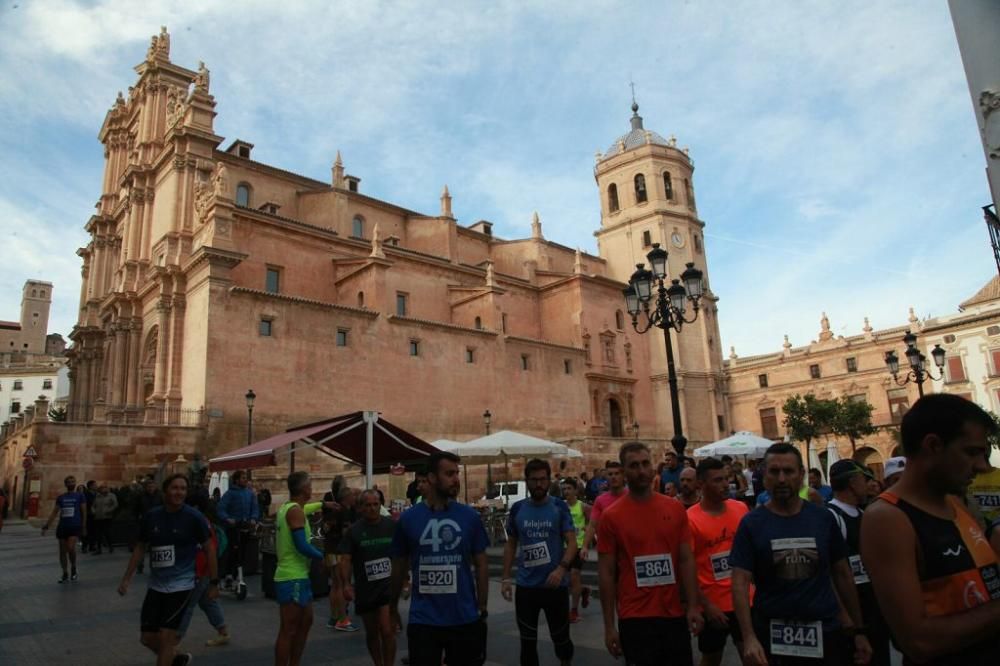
(687, 217)
(364, 312)
(545, 343)
(600, 376)
(396, 319)
(214, 255)
(229, 158)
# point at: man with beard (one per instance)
(616, 490)
(713, 524)
(644, 551)
(442, 540)
(935, 575)
(172, 533)
(688, 494)
(792, 551)
(540, 532)
(71, 507)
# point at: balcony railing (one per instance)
(134, 415)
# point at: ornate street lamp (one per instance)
(635, 430)
(487, 419)
(919, 371)
(250, 396)
(664, 310)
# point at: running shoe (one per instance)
(182, 659)
(64, 579)
(331, 623)
(346, 625)
(73, 576)
(585, 597)
(221, 639)
(574, 616)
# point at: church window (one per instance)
(640, 188)
(470, 355)
(341, 337)
(613, 198)
(769, 423)
(568, 367)
(266, 328)
(401, 303)
(668, 185)
(15, 407)
(479, 323)
(993, 330)
(34, 293)
(361, 299)
(899, 404)
(525, 365)
(852, 364)
(619, 320)
(46, 383)
(18, 385)
(414, 347)
(358, 227)
(814, 372)
(955, 370)
(689, 193)
(503, 322)
(272, 283)
(42, 293)
(762, 380)
(697, 243)
(243, 195)
(948, 339)
(647, 238)
(722, 422)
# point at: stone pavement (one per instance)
(87, 624)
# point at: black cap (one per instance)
(843, 469)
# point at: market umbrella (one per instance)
(743, 443)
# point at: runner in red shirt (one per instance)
(644, 549)
(616, 490)
(713, 523)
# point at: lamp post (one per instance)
(635, 430)
(487, 419)
(666, 313)
(250, 396)
(918, 372)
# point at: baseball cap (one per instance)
(894, 466)
(843, 469)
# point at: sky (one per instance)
(838, 167)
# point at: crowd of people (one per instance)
(791, 569)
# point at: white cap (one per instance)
(894, 466)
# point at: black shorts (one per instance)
(712, 638)
(656, 641)
(68, 532)
(577, 562)
(163, 610)
(462, 645)
(369, 603)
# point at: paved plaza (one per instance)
(87, 624)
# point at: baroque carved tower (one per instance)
(647, 197)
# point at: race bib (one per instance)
(161, 556)
(654, 570)
(535, 555)
(379, 569)
(859, 571)
(68, 511)
(437, 579)
(988, 500)
(797, 639)
(720, 566)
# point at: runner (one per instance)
(172, 533)
(71, 507)
(713, 523)
(848, 480)
(537, 529)
(364, 550)
(935, 576)
(442, 540)
(292, 585)
(689, 493)
(616, 490)
(644, 550)
(792, 551)
(238, 507)
(580, 512)
(201, 597)
(893, 470)
(338, 515)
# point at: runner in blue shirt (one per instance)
(172, 534)
(441, 540)
(540, 531)
(71, 507)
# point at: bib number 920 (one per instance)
(437, 579)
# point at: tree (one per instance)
(807, 417)
(852, 419)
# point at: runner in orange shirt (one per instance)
(644, 552)
(713, 523)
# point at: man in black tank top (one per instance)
(935, 576)
(849, 482)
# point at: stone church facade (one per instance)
(209, 273)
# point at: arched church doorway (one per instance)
(615, 422)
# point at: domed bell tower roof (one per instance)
(636, 136)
